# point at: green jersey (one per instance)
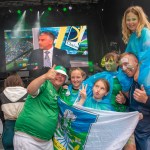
(116, 88)
(40, 114)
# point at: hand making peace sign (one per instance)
(83, 92)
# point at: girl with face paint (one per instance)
(117, 82)
(111, 62)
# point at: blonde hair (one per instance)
(143, 22)
(79, 69)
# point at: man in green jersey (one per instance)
(37, 122)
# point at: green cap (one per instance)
(62, 70)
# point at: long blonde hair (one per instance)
(143, 22)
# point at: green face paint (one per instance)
(111, 65)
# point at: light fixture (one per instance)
(49, 8)
(70, 7)
(19, 11)
(64, 9)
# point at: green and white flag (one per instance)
(83, 128)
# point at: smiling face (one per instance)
(129, 65)
(59, 80)
(132, 21)
(76, 78)
(100, 89)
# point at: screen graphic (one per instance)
(19, 45)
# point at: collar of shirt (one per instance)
(50, 54)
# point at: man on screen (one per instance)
(47, 55)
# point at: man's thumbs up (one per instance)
(140, 95)
(142, 87)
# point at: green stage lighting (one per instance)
(64, 9)
(91, 66)
(31, 9)
(18, 11)
(49, 8)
